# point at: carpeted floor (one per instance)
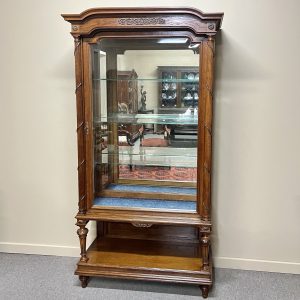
(50, 277)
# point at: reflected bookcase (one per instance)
(144, 175)
(179, 88)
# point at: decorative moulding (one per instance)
(164, 18)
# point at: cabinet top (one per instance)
(130, 18)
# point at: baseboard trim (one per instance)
(39, 249)
(219, 262)
(257, 265)
(42, 249)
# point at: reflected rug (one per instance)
(158, 173)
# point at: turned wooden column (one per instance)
(204, 233)
(205, 243)
(81, 126)
(82, 233)
(205, 124)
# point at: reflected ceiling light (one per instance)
(193, 46)
(172, 41)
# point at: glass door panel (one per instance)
(145, 118)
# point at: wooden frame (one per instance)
(198, 27)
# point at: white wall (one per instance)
(256, 190)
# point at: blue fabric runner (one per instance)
(152, 189)
(145, 203)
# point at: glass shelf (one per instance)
(153, 163)
(150, 157)
(184, 80)
(176, 119)
(150, 151)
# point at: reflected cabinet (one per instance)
(144, 86)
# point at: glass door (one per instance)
(145, 122)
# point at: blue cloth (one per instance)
(152, 189)
(145, 203)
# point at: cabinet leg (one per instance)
(84, 281)
(82, 233)
(205, 243)
(205, 290)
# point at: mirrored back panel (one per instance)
(145, 115)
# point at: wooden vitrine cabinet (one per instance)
(149, 191)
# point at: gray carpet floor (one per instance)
(51, 277)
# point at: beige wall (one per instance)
(145, 63)
(256, 190)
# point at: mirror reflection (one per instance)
(145, 109)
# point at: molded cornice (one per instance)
(129, 18)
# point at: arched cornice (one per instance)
(150, 18)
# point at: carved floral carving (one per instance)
(77, 43)
(205, 229)
(143, 225)
(211, 26)
(141, 21)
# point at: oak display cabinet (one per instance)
(149, 191)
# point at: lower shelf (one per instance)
(145, 260)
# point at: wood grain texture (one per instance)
(179, 234)
(80, 125)
(88, 126)
(205, 128)
(125, 11)
(135, 253)
(143, 216)
(145, 260)
(155, 18)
